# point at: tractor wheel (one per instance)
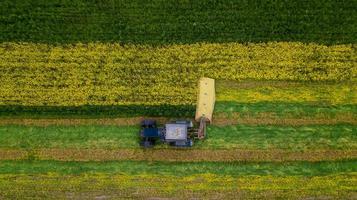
(148, 123)
(148, 144)
(189, 143)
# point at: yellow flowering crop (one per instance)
(112, 74)
(21, 185)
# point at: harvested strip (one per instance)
(179, 169)
(154, 186)
(282, 91)
(182, 155)
(271, 119)
(285, 110)
(252, 137)
(250, 84)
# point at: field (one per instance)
(77, 77)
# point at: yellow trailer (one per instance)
(205, 104)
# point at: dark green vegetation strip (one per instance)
(170, 21)
(179, 169)
(282, 110)
(90, 111)
(228, 137)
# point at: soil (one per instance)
(219, 120)
(179, 155)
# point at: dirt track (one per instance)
(182, 155)
(219, 120)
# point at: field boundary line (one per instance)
(219, 121)
(178, 155)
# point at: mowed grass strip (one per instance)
(284, 110)
(323, 93)
(180, 169)
(54, 186)
(250, 137)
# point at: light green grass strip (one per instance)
(228, 137)
(180, 168)
(271, 137)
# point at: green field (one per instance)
(77, 77)
(161, 22)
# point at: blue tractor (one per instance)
(180, 133)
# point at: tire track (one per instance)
(219, 120)
(179, 155)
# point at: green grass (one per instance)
(228, 137)
(290, 138)
(169, 21)
(69, 137)
(179, 169)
